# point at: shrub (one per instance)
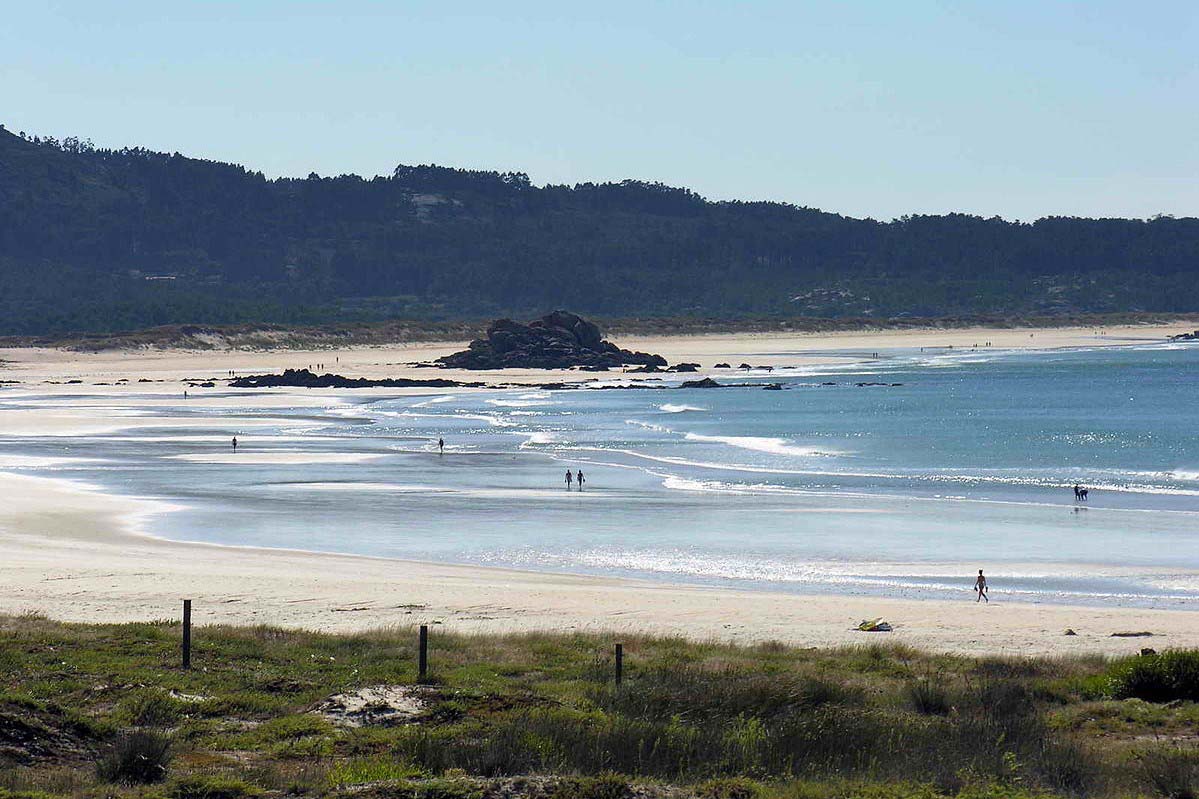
(1157, 678)
(150, 709)
(605, 786)
(137, 757)
(1172, 773)
(360, 771)
(928, 698)
(206, 786)
(728, 788)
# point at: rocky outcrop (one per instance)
(302, 378)
(560, 340)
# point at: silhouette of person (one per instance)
(441, 445)
(980, 585)
(580, 479)
(569, 479)
(1077, 492)
(235, 443)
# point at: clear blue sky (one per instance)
(1005, 107)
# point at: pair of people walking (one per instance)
(571, 479)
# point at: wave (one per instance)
(657, 428)
(434, 401)
(926, 478)
(670, 407)
(774, 446)
(517, 403)
(536, 437)
(943, 579)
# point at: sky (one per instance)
(1013, 108)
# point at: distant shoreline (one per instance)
(268, 337)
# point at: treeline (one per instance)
(96, 239)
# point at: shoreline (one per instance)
(76, 554)
(50, 369)
(331, 336)
(71, 553)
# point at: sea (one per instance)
(898, 474)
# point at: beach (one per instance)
(76, 552)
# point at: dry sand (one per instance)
(74, 553)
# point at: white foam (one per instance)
(536, 437)
(41, 462)
(276, 457)
(433, 401)
(396, 488)
(517, 403)
(670, 407)
(774, 446)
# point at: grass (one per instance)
(538, 716)
(1165, 677)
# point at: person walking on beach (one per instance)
(569, 479)
(441, 446)
(580, 479)
(980, 585)
(235, 443)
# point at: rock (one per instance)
(647, 369)
(560, 340)
(1140, 634)
(722, 366)
(707, 382)
(382, 705)
(684, 367)
(745, 366)
(303, 378)
(773, 387)
(1069, 632)
(1146, 652)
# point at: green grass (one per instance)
(538, 716)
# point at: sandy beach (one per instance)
(75, 553)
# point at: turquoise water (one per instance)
(898, 490)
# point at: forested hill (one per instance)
(94, 239)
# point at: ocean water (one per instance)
(965, 459)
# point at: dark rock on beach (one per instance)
(560, 340)
(707, 382)
(302, 378)
(722, 366)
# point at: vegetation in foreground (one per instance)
(106, 710)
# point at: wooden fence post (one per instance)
(423, 657)
(187, 633)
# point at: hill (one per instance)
(98, 240)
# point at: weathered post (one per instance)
(619, 663)
(187, 633)
(423, 657)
